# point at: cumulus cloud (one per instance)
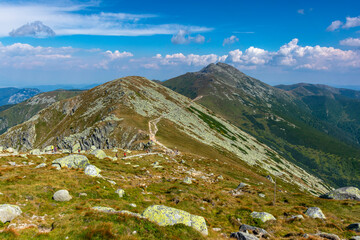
(190, 59)
(230, 40)
(117, 54)
(353, 42)
(334, 25)
(35, 29)
(184, 37)
(75, 20)
(352, 22)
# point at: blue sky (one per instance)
(86, 42)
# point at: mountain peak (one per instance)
(221, 67)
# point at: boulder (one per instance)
(100, 154)
(104, 209)
(8, 212)
(92, 171)
(315, 212)
(165, 216)
(72, 161)
(41, 165)
(35, 152)
(328, 236)
(62, 196)
(354, 227)
(297, 217)
(254, 230)
(345, 193)
(120, 192)
(263, 216)
(243, 236)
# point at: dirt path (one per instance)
(195, 99)
(153, 129)
(139, 155)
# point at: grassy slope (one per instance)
(33, 188)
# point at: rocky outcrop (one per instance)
(9, 212)
(165, 216)
(345, 193)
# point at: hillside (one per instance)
(11, 115)
(16, 95)
(278, 118)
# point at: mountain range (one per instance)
(16, 95)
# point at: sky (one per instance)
(92, 42)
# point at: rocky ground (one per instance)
(102, 195)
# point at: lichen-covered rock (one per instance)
(351, 193)
(104, 209)
(243, 236)
(120, 192)
(62, 196)
(35, 152)
(354, 227)
(92, 171)
(263, 216)
(315, 212)
(72, 161)
(100, 154)
(8, 212)
(165, 216)
(131, 213)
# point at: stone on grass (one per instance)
(165, 216)
(315, 212)
(297, 217)
(62, 196)
(254, 230)
(354, 227)
(41, 165)
(187, 180)
(243, 236)
(240, 186)
(355, 238)
(345, 193)
(72, 161)
(10, 150)
(92, 171)
(104, 209)
(328, 236)
(8, 212)
(100, 154)
(82, 194)
(12, 163)
(132, 205)
(120, 192)
(261, 195)
(263, 216)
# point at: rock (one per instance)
(220, 177)
(100, 154)
(297, 217)
(355, 238)
(92, 171)
(10, 150)
(328, 236)
(62, 196)
(354, 227)
(261, 195)
(72, 161)
(93, 148)
(35, 152)
(120, 192)
(131, 213)
(75, 148)
(165, 216)
(8, 212)
(270, 178)
(112, 182)
(345, 193)
(187, 180)
(12, 163)
(254, 230)
(65, 151)
(132, 205)
(1, 148)
(315, 212)
(263, 216)
(82, 194)
(216, 229)
(240, 186)
(104, 209)
(243, 236)
(41, 165)
(49, 148)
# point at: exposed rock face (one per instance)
(315, 212)
(263, 216)
(92, 171)
(165, 216)
(9, 212)
(100, 154)
(72, 161)
(62, 196)
(350, 193)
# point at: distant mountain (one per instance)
(284, 120)
(11, 115)
(16, 95)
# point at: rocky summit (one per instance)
(132, 159)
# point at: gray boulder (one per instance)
(62, 196)
(254, 230)
(345, 193)
(328, 236)
(92, 171)
(315, 212)
(8, 212)
(241, 185)
(72, 161)
(100, 154)
(354, 227)
(263, 216)
(243, 236)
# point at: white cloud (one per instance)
(352, 22)
(334, 25)
(184, 37)
(190, 59)
(301, 11)
(230, 40)
(117, 54)
(68, 21)
(353, 42)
